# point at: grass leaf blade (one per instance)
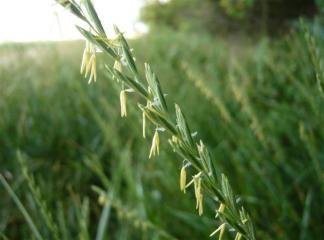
(21, 208)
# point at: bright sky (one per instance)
(33, 20)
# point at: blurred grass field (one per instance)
(257, 105)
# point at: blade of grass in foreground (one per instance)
(21, 208)
(104, 219)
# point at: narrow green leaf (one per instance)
(104, 218)
(94, 17)
(73, 7)
(21, 208)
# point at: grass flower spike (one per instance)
(252, 142)
(208, 182)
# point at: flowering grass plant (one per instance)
(206, 180)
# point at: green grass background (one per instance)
(257, 105)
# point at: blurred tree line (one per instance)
(226, 16)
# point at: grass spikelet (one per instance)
(155, 148)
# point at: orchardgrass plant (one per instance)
(206, 180)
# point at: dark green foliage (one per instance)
(228, 16)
